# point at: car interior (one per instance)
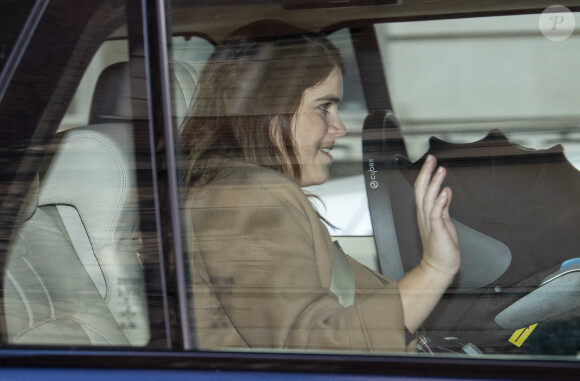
(85, 245)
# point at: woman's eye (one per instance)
(325, 108)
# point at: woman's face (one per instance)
(316, 127)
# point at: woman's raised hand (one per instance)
(438, 235)
(422, 288)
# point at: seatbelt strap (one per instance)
(378, 197)
(342, 283)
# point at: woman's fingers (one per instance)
(427, 189)
(438, 235)
(433, 190)
(446, 214)
(422, 183)
(436, 213)
(447, 218)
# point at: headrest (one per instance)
(31, 201)
(112, 97)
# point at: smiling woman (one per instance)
(249, 94)
(317, 126)
(264, 269)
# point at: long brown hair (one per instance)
(247, 96)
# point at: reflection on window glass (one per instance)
(74, 272)
(13, 17)
(488, 267)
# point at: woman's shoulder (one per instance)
(255, 177)
(244, 184)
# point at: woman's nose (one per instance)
(338, 127)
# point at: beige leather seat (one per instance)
(49, 298)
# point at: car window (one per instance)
(492, 97)
(480, 81)
(15, 15)
(74, 270)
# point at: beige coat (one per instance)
(261, 273)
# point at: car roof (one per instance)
(217, 19)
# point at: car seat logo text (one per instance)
(374, 184)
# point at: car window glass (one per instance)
(492, 98)
(75, 268)
(474, 75)
(13, 16)
(495, 100)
